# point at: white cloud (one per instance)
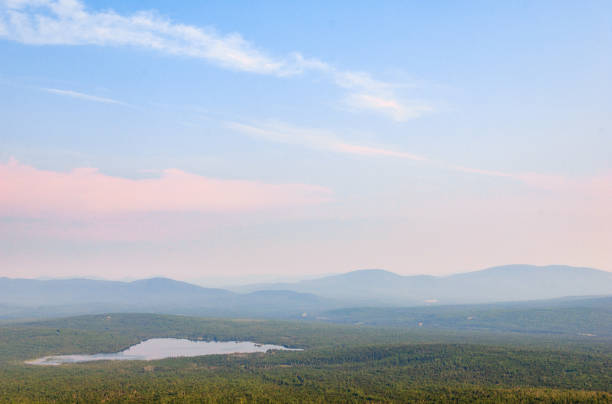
(398, 111)
(360, 80)
(368, 93)
(82, 96)
(69, 22)
(321, 139)
(315, 138)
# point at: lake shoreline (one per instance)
(163, 348)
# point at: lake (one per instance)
(161, 348)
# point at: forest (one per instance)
(339, 363)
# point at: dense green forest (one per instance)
(340, 363)
(586, 317)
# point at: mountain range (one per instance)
(374, 288)
(497, 284)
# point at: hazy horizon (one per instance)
(230, 282)
(227, 140)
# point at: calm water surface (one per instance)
(160, 348)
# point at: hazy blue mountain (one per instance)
(366, 286)
(44, 298)
(30, 292)
(527, 282)
(47, 298)
(503, 283)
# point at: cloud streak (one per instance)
(320, 139)
(82, 96)
(69, 22)
(387, 106)
(30, 192)
(368, 93)
(314, 138)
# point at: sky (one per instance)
(249, 140)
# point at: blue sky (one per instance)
(421, 137)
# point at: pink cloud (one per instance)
(27, 191)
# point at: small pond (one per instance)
(160, 348)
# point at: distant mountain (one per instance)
(354, 287)
(47, 298)
(308, 298)
(159, 291)
(528, 282)
(497, 284)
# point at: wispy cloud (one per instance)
(314, 138)
(69, 22)
(396, 110)
(82, 96)
(322, 139)
(367, 93)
